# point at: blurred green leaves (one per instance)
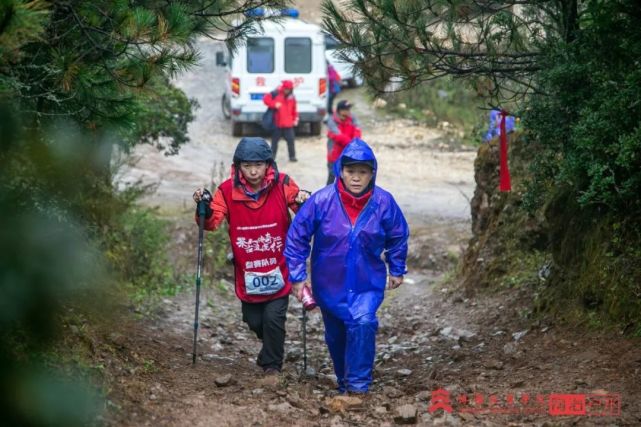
(46, 259)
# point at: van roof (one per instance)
(288, 25)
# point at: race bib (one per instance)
(264, 283)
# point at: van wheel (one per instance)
(315, 128)
(236, 129)
(226, 106)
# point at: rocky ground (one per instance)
(431, 335)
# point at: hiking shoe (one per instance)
(271, 378)
(293, 160)
(271, 371)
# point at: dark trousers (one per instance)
(330, 103)
(267, 320)
(330, 175)
(288, 134)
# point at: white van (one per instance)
(290, 49)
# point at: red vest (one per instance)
(258, 238)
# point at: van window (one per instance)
(260, 55)
(298, 55)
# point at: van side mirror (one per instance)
(220, 59)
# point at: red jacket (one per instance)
(353, 205)
(340, 133)
(221, 210)
(287, 115)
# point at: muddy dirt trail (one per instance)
(430, 336)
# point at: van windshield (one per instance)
(298, 55)
(260, 55)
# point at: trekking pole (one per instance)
(201, 232)
(304, 341)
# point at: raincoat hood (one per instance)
(253, 150)
(357, 150)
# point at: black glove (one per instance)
(206, 198)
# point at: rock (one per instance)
(294, 354)
(379, 103)
(280, 407)
(446, 420)
(337, 422)
(257, 391)
(402, 106)
(424, 396)
(270, 381)
(518, 335)
(406, 414)
(392, 392)
(455, 334)
(494, 364)
(344, 403)
(223, 380)
(404, 372)
(380, 410)
(510, 348)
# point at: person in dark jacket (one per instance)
(285, 117)
(255, 201)
(352, 223)
(342, 128)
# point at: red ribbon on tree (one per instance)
(504, 171)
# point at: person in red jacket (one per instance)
(342, 128)
(285, 117)
(255, 201)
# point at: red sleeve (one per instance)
(295, 109)
(269, 100)
(291, 191)
(219, 209)
(357, 132)
(339, 138)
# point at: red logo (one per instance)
(554, 404)
(440, 400)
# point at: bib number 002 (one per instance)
(264, 283)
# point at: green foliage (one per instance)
(108, 63)
(587, 123)
(47, 258)
(136, 248)
(410, 42)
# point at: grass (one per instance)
(444, 100)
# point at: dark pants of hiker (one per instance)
(330, 103)
(330, 173)
(288, 134)
(267, 320)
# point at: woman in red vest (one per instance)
(255, 201)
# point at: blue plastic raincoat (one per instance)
(348, 272)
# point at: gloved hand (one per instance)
(205, 196)
(302, 196)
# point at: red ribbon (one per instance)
(504, 171)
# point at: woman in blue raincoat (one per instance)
(353, 223)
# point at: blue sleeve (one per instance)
(396, 235)
(299, 236)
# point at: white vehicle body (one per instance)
(287, 50)
(349, 76)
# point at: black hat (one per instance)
(253, 149)
(343, 105)
(345, 161)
